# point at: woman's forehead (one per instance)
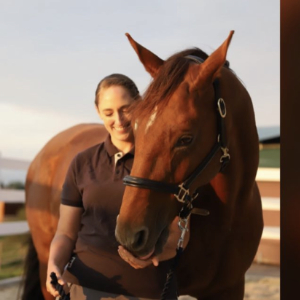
(114, 90)
(114, 93)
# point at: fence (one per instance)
(268, 182)
(12, 196)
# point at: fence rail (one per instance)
(12, 196)
(271, 209)
(13, 228)
(14, 164)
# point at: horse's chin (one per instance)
(148, 255)
(158, 247)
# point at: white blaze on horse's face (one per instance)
(151, 119)
(136, 125)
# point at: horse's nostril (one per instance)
(140, 239)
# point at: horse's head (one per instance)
(176, 130)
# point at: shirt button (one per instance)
(119, 154)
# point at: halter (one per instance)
(182, 191)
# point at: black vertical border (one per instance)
(290, 148)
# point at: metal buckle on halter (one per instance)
(225, 151)
(183, 192)
(222, 107)
(225, 155)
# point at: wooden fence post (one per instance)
(2, 211)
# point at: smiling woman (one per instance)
(84, 251)
(114, 95)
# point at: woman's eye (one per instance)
(184, 141)
(108, 115)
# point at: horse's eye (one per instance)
(184, 141)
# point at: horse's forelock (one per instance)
(166, 82)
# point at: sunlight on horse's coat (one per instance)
(136, 125)
(151, 119)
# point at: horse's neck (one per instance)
(237, 182)
(240, 129)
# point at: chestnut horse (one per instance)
(195, 134)
(44, 181)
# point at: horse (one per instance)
(218, 241)
(43, 186)
(196, 149)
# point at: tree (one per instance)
(17, 185)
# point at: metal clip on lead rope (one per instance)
(183, 226)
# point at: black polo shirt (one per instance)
(94, 182)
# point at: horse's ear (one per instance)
(211, 68)
(151, 62)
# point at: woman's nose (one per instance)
(119, 118)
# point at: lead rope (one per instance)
(184, 216)
(171, 273)
(59, 287)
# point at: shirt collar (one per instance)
(112, 149)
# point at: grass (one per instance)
(269, 158)
(12, 255)
(13, 250)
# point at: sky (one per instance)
(54, 53)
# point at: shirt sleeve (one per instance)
(71, 194)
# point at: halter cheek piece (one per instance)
(181, 191)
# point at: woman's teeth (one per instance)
(121, 128)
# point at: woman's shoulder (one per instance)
(88, 155)
(90, 152)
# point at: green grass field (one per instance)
(269, 158)
(12, 254)
(13, 250)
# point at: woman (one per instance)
(91, 199)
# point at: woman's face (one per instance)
(113, 105)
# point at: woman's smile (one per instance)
(114, 112)
(122, 129)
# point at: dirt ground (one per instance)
(262, 283)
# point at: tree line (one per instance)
(16, 185)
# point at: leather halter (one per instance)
(181, 191)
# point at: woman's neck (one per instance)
(123, 146)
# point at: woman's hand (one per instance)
(169, 250)
(63, 244)
(136, 262)
(50, 288)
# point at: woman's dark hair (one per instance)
(117, 80)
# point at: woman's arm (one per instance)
(169, 250)
(63, 243)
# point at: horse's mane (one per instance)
(167, 81)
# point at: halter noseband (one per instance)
(181, 191)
